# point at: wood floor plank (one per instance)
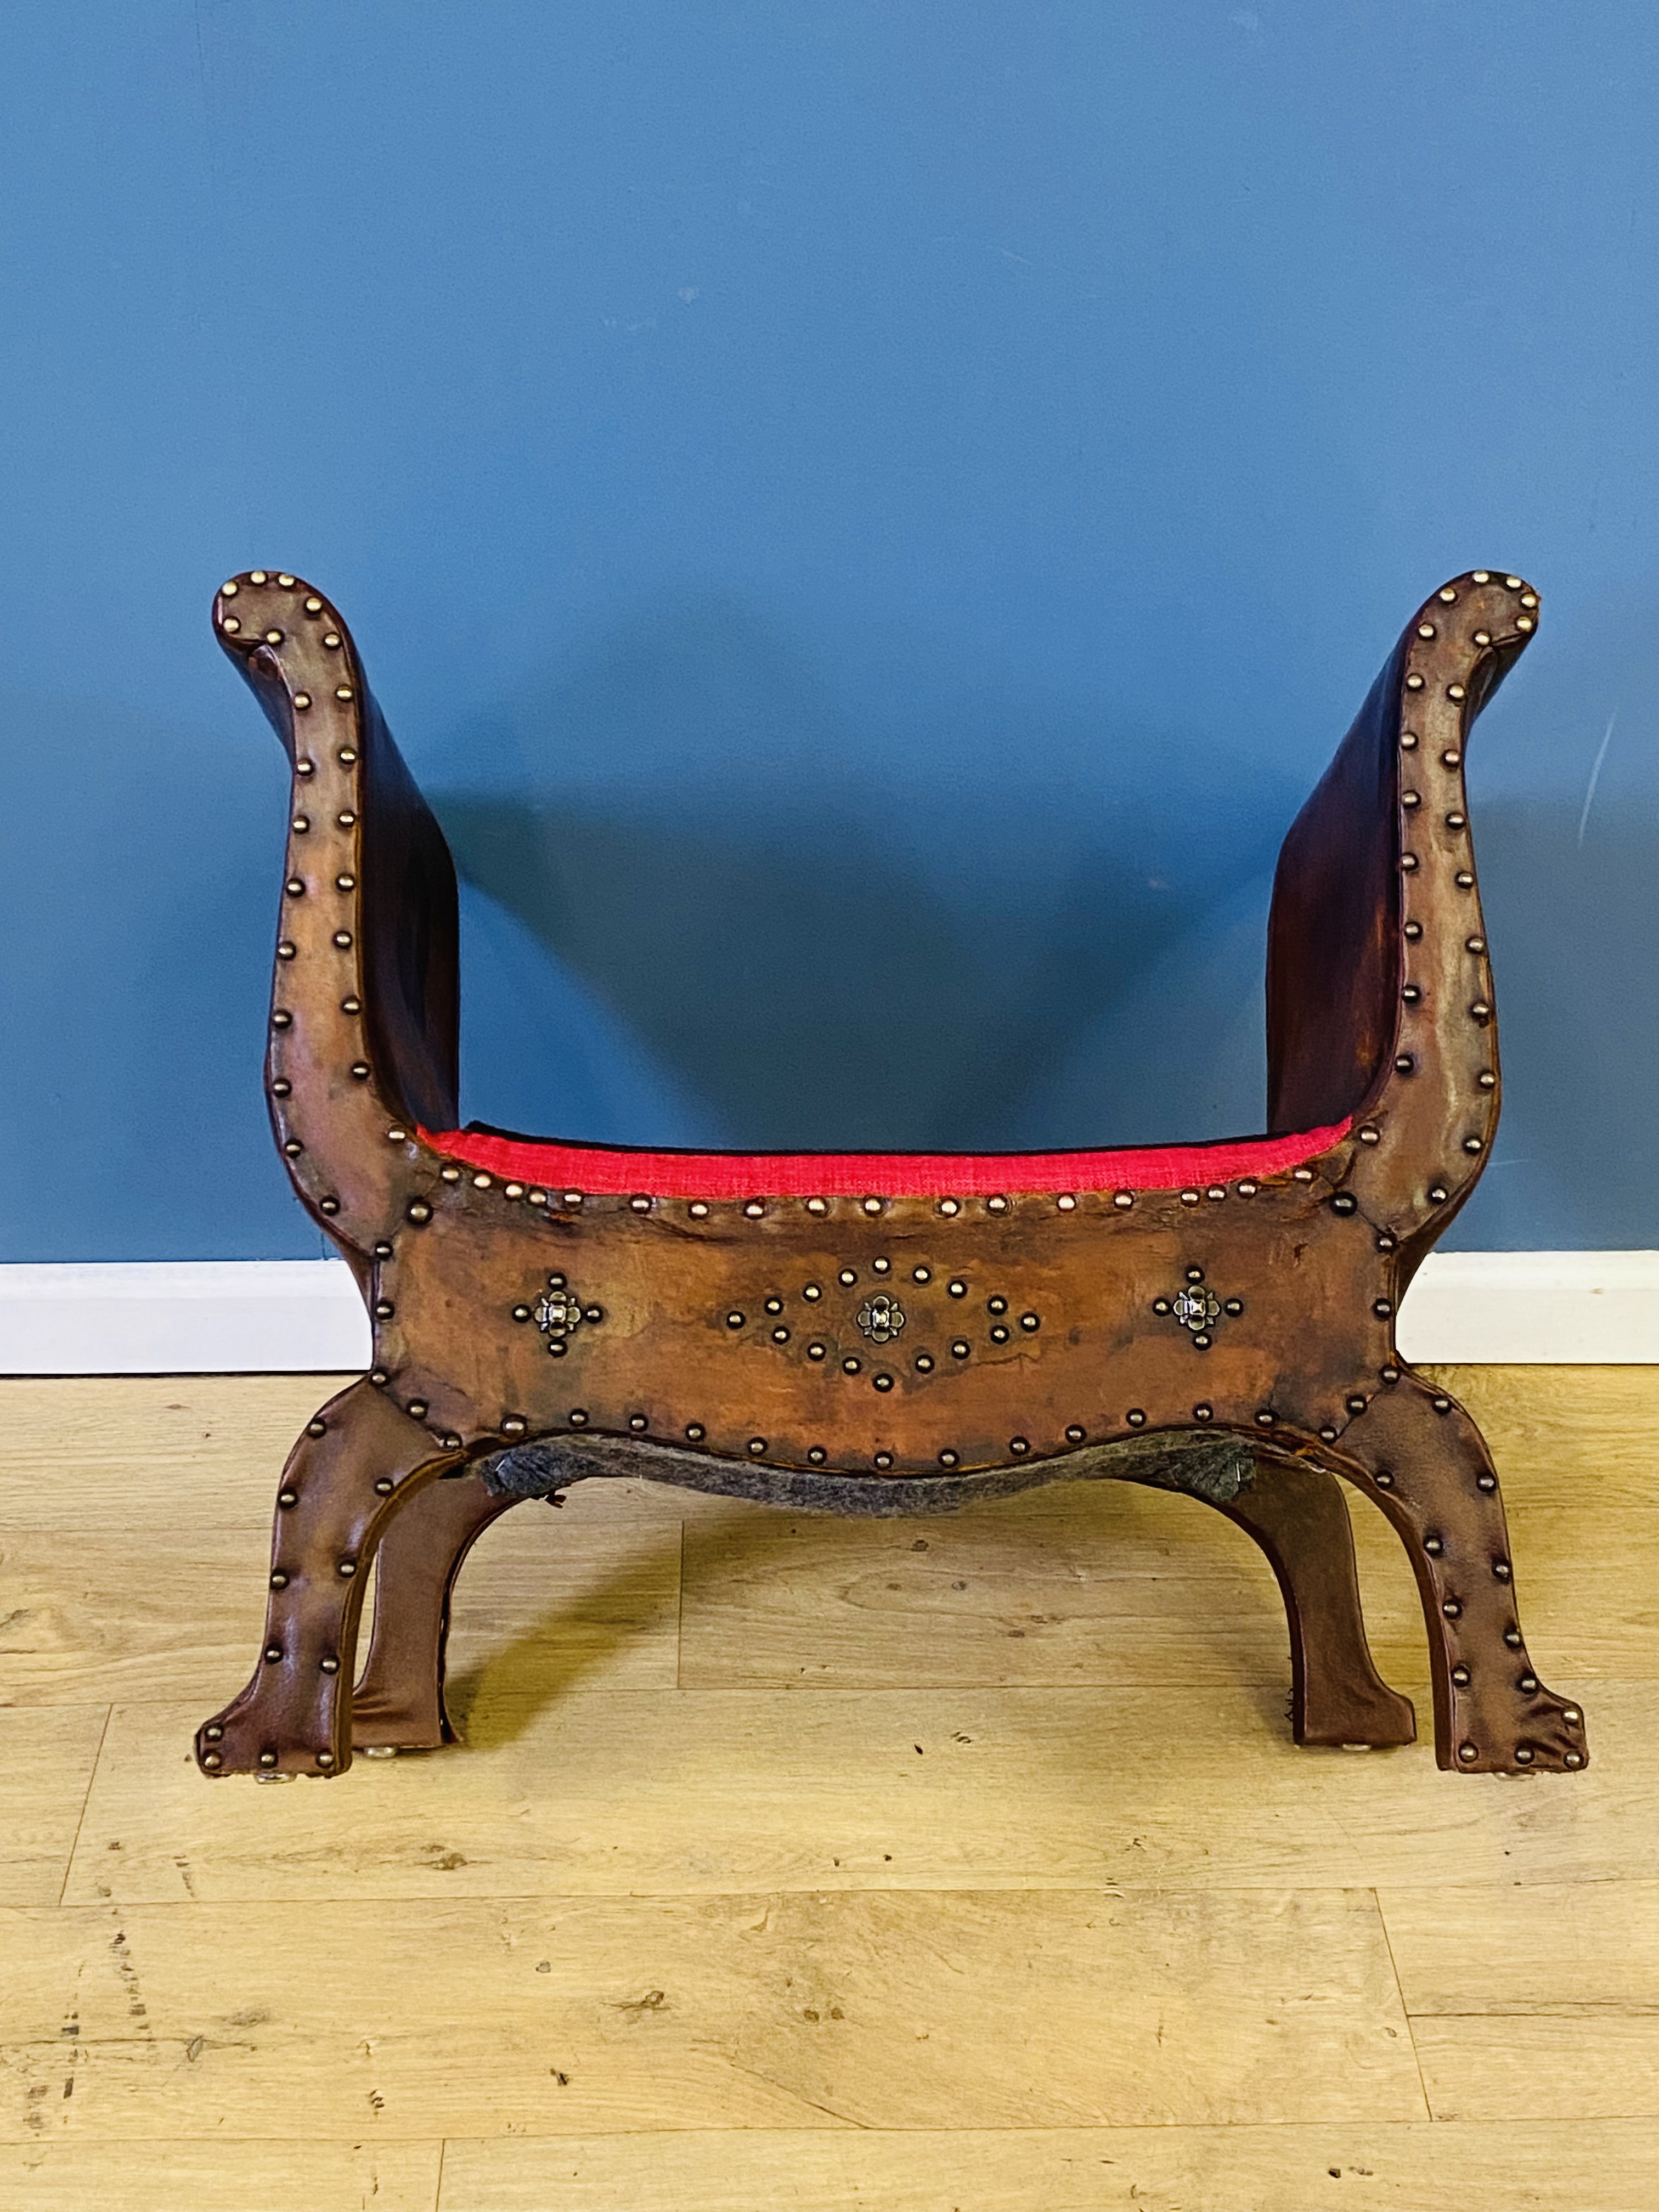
(1534, 1999)
(701, 1792)
(45, 1764)
(154, 1584)
(1109, 1582)
(272, 2176)
(1535, 2166)
(1099, 1581)
(1487, 2067)
(879, 2010)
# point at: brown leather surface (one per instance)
(1031, 1328)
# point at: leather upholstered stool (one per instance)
(898, 1333)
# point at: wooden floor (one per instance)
(958, 1866)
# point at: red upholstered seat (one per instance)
(617, 1170)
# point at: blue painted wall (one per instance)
(867, 518)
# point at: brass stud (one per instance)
(577, 1417)
(884, 1461)
(882, 1266)
(1409, 798)
(698, 1210)
(957, 1287)
(273, 637)
(1413, 683)
(1482, 576)
(1524, 1755)
(1124, 1199)
(1203, 1413)
(754, 1209)
(694, 1432)
(326, 1758)
(734, 1319)
(229, 625)
(1529, 598)
(1302, 1174)
(1486, 1482)
(639, 1205)
(1467, 1753)
(638, 1423)
(1523, 621)
(924, 1362)
(305, 767)
(881, 1381)
(1248, 1188)
(850, 1366)
(961, 1348)
(1136, 1418)
(360, 1070)
(330, 1665)
(758, 1445)
(267, 1758)
(812, 1292)
(996, 1205)
(282, 1088)
(1075, 1435)
(1571, 1715)
(872, 1205)
(571, 1198)
(1190, 1198)
(302, 700)
(949, 1206)
(1067, 1203)
(1452, 756)
(1408, 741)
(384, 1486)
(848, 1276)
(1513, 582)
(539, 1198)
(346, 818)
(1369, 1135)
(212, 1758)
(351, 1005)
(947, 1459)
(343, 939)
(1449, 595)
(313, 605)
(228, 591)
(1472, 1144)
(1426, 629)
(295, 886)
(816, 1454)
(817, 1206)
(332, 640)
(285, 949)
(417, 1408)
(1019, 1445)
(1452, 1609)
(1461, 1676)
(1456, 691)
(1573, 1758)
(279, 1580)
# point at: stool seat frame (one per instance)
(902, 1332)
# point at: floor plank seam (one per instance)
(1405, 2014)
(92, 1776)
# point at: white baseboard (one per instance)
(284, 1316)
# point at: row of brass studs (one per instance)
(1481, 1010)
(756, 1209)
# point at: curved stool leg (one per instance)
(1419, 1454)
(400, 1703)
(359, 1461)
(1299, 1516)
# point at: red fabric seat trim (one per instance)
(619, 1171)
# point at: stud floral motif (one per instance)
(560, 1311)
(881, 1318)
